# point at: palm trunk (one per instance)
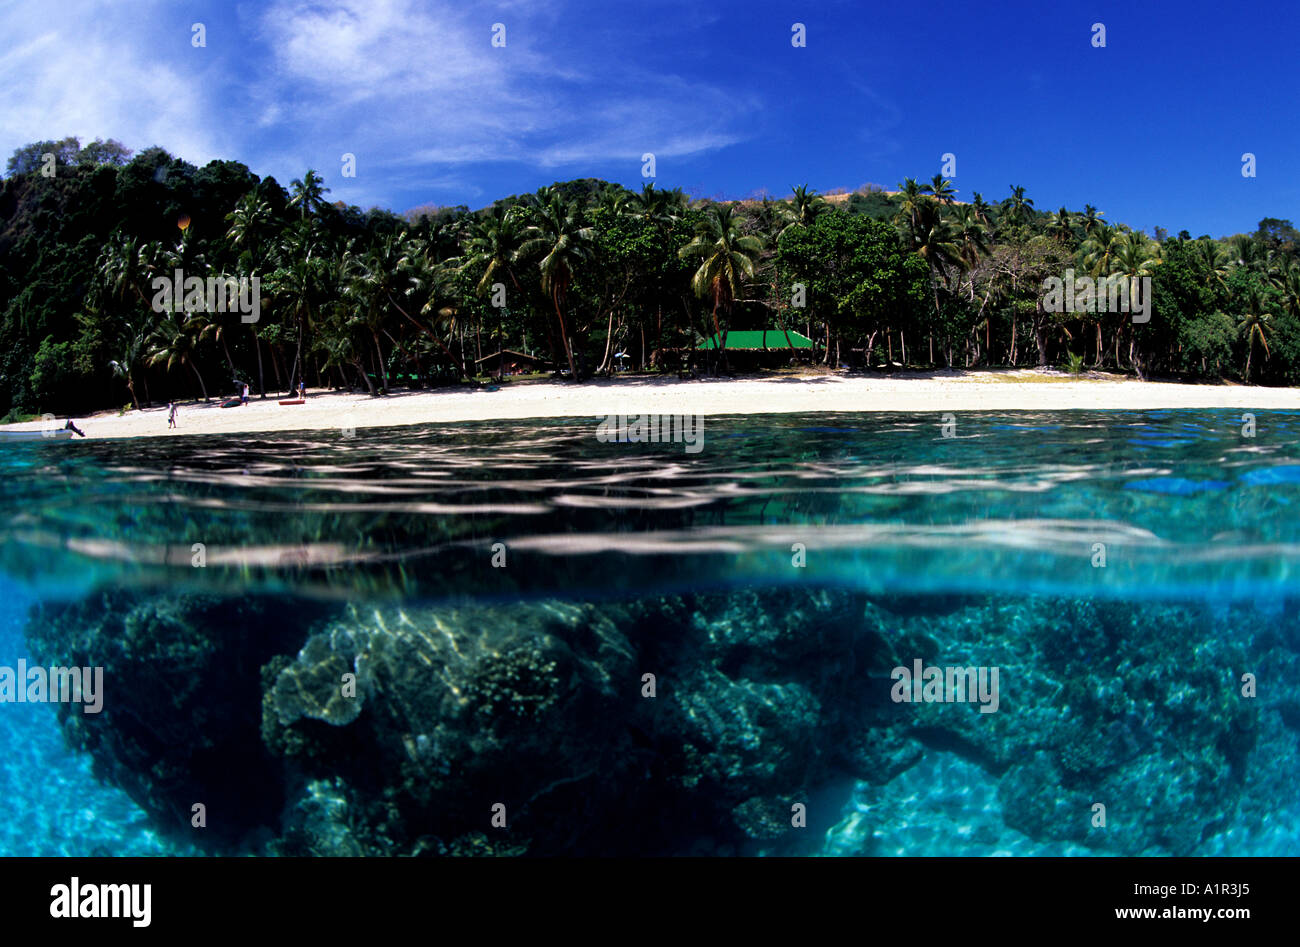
(564, 333)
(383, 368)
(717, 338)
(202, 387)
(609, 338)
(261, 379)
(361, 369)
(427, 331)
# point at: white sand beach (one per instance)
(934, 392)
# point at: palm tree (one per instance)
(493, 247)
(655, 207)
(301, 283)
(369, 281)
(1092, 218)
(726, 260)
(126, 266)
(1254, 323)
(983, 212)
(308, 193)
(250, 222)
(1288, 282)
(1134, 255)
(940, 188)
(971, 235)
(429, 276)
(612, 198)
(131, 346)
(175, 341)
(1017, 205)
(1061, 225)
(559, 234)
(913, 199)
(805, 205)
(935, 241)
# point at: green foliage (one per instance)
(373, 300)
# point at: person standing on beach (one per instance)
(245, 393)
(302, 390)
(171, 414)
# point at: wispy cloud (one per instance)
(88, 69)
(415, 91)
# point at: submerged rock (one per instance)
(536, 728)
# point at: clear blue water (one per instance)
(978, 549)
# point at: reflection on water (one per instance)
(880, 502)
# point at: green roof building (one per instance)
(758, 340)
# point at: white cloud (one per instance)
(79, 73)
(409, 89)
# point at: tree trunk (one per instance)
(718, 340)
(383, 368)
(275, 366)
(609, 338)
(202, 387)
(261, 379)
(564, 334)
(361, 369)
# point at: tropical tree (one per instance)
(940, 188)
(1017, 205)
(560, 237)
(308, 193)
(727, 259)
(1091, 218)
(805, 205)
(983, 212)
(249, 231)
(1060, 225)
(175, 341)
(1253, 323)
(301, 283)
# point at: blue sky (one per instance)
(1150, 129)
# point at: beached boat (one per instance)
(294, 401)
(61, 435)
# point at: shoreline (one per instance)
(923, 392)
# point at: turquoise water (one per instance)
(501, 589)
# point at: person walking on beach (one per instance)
(245, 401)
(171, 414)
(302, 390)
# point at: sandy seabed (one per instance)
(931, 392)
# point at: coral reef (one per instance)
(525, 728)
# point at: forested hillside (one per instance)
(576, 273)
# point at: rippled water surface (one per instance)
(1182, 501)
